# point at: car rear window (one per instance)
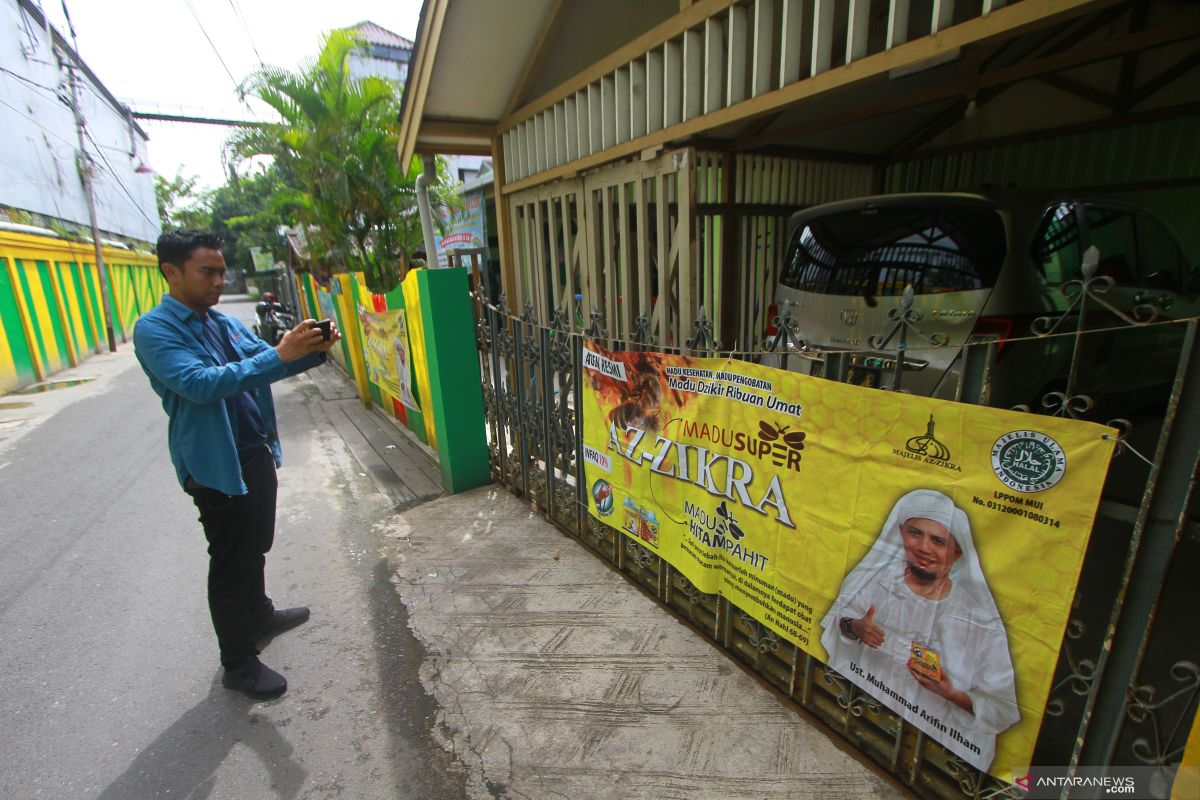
(877, 251)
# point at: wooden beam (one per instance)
(1158, 114)
(419, 77)
(1081, 90)
(1169, 75)
(1112, 48)
(451, 149)
(693, 15)
(547, 35)
(1008, 21)
(434, 128)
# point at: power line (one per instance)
(211, 44)
(35, 122)
(31, 82)
(237, 10)
(116, 177)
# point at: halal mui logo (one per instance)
(928, 449)
(1028, 461)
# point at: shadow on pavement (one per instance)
(183, 761)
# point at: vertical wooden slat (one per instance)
(791, 56)
(508, 159)
(571, 128)
(539, 142)
(594, 126)
(516, 293)
(735, 90)
(943, 15)
(610, 273)
(621, 104)
(686, 233)
(764, 37)
(608, 112)
(642, 218)
(583, 127)
(672, 84)
(693, 74)
(530, 146)
(857, 28)
(822, 40)
(590, 230)
(549, 138)
(637, 98)
(552, 223)
(560, 130)
(714, 65)
(897, 28)
(664, 266)
(540, 267)
(569, 209)
(654, 91)
(624, 263)
(991, 5)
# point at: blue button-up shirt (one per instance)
(194, 382)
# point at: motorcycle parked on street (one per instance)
(272, 319)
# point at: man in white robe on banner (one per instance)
(915, 626)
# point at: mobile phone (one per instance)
(326, 328)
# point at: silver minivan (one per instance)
(985, 266)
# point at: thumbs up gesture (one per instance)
(866, 629)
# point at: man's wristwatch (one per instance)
(847, 631)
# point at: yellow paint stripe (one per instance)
(61, 306)
(41, 312)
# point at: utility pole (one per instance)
(84, 164)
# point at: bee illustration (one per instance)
(768, 432)
(730, 521)
(641, 402)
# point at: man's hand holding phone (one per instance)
(308, 337)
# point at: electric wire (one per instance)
(237, 10)
(31, 82)
(212, 44)
(40, 125)
(111, 171)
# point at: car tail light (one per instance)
(1000, 327)
(772, 313)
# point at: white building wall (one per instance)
(361, 65)
(38, 143)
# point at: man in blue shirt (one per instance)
(214, 379)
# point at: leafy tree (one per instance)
(335, 151)
(180, 204)
(244, 215)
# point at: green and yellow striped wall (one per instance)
(51, 309)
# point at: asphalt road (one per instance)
(111, 684)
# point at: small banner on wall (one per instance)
(926, 550)
(387, 352)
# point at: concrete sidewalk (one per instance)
(556, 677)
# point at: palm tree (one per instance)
(336, 148)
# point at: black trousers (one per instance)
(240, 530)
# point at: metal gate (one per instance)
(611, 257)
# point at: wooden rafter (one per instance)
(551, 26)
(1167, 76)
(1081, 90)
(1111, 48)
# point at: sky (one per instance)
(153, 55)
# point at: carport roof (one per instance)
(1032, 67)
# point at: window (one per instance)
(878, 251)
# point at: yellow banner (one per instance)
(388, 352)
(926, 550)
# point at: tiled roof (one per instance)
(381, 36)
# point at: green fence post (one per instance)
(456, 397)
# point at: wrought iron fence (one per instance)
(1126, 687)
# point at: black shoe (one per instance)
(282, 621)
(255, 680)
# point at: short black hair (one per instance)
(177, 246)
